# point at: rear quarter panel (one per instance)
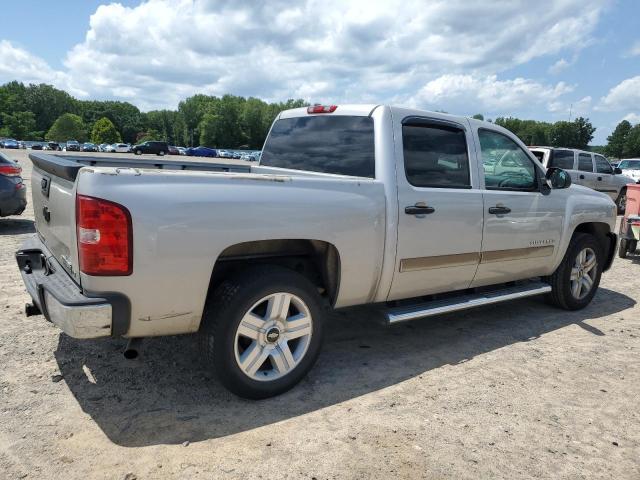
(182, 221)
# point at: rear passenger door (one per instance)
(585, 173)
(440, 213)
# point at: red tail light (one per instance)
(105, 238)
(10, 170)
(322, 109)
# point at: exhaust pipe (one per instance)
(132, 350)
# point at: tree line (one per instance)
(43, 112)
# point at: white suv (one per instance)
(589, 169)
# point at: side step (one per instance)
(463, 302)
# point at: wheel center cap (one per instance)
(273, 334)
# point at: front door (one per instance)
(605, 180)
(522, 225)
(440, 213)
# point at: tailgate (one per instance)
(54, 207)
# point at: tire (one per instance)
(622, 248)
(138, 152)
(260, 358)
(562, 284)
(161, 153)
(621, 201)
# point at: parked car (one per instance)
(121, 148)
(224, 154)
(54, 146)
(588, 169)
(631, 168)
(36, 146)
(72, 146)
(102, 147)
(182, 150)
(13, 192)
(152, 147)
(249, 157)
(9, 143)
(202, 152)
(173, 150)
(351, 205)
(89, 147)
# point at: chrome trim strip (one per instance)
(425, 263)
(466, 302)
(517, 254)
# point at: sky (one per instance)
(545, 59)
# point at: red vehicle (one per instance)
(630, 224)
(173, 150)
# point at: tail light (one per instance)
(322, 109)
(105, 237)
(10, 170)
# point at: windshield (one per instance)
(341, 145)
(629, 165)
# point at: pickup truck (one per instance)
(349, 205)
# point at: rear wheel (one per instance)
(161, 153)
(262, 331)
(575, 281)
(621, 201)
(138, 152)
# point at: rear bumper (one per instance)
(58, 297)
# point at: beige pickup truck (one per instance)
(417, 212)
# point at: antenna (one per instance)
(570, 108)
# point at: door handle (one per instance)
(46, 213)
(581, 177)
(418, 210)
(499, 210)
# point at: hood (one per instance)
(581, 189)
(634, 174)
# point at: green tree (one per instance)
(149, 135)
(618, 139)
(584, 132)
(632, 143)
(104, 131)
(20, 125)
(68, 126)
(478, 116)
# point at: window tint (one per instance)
(539, 155)
(562, 159)
(329, 144)
(435, 156)
(584, 162)
(602, 165)
(506, 165)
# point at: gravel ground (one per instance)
(519, 390)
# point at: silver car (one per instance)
(589, 169)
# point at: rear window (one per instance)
(562, 159)
(341, 145)
(584, 162)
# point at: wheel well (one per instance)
(317, 260)
(600, 231)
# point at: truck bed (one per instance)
(67, 166)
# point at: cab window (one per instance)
(585, 163)
(435, 155)
(602, 165)
(562, 159)
(506, 166)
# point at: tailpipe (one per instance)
(132, 350)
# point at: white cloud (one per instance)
(635, 49)
(559, 66)
(161, 51)
(632, 118)
(624, 96)
(487, 94)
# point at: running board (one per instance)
(463, 302)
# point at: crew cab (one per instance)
(416, 212)
(589, 169)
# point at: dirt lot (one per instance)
(520, 390)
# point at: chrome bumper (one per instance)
(58, 297)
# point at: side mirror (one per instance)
(617, 171)
(558, 178)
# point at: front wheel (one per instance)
(575, 281)
(262, 331)
(138, 152)
(161, 153)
